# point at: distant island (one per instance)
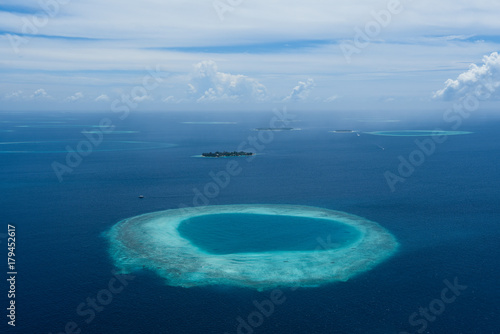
(226, 154)
(274, 129)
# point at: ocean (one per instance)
(443, 209)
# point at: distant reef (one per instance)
(218, 154)
(343, 131)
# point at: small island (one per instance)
(226, 154)
(274, 129)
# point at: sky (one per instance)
(91, 55)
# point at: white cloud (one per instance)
(14, 96)
(197, 23)
(102, 98)
(40, 94)
(332, 98)
(207, 84)
(142, 98)
(483, 80)
(301, 91)
(426, 41)
(169, 99)
(73, 98)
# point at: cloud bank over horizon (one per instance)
(257, 53)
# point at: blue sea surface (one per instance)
(444, 212)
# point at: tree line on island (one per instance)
(218, 154)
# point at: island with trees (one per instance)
(224, 154)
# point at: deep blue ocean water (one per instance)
(445, 216)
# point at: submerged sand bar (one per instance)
(153, 241)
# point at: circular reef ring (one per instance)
(152, 241)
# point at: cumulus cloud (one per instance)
(301, 91)
(40, 94)
(483, 80)
(102, 98)
(73, 98)
(207, 84)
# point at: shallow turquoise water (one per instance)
(418, 133)
(246, 233)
